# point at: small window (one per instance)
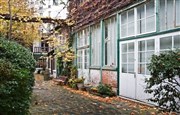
(169, 43)
(146, 18)
(110, 42)
(169, 13)
(127, 57)
(146, 49)
(96, 45)
(127, 23)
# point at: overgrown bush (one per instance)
(164, 82)
(105, 89)
(16, 78)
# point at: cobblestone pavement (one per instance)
(50, 99)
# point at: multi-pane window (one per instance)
(83, 38)
(110, 42)
(86, 58)
(80, 59)
(146, 49)
(169, 14)
(127, 23)
(96, 45)
(169, 42)
(83, 49)
(146, 18)
(139, 20)
(127, 57)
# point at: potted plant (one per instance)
(80, 83)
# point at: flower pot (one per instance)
(80, 86)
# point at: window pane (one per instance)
(130, 29)
(178, 12)
(148, 56)
(141, 26)
(150, 24)
(141, 68)
(131, 47)
(130, 68)
(166, 43)
(150, 44)
(124, 30)
(150, 8)
(141, 57)
(131, 57)
(124, 58)
(162, 15)
(124, 18)
(141, 46)
(124, 68)
(131, 16)
(177, 41)
(124, 48)
(140, 12)
(170, 13)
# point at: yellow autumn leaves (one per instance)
(25, 33)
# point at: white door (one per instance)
(127, 75)
(134, 58)
(145, 49)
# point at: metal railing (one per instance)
(41, 49)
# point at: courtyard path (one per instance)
(51, 99)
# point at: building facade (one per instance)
(51, 9)
(115, 39)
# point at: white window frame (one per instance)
(96, 45)
(146, 61)
(157, 49)
(79, 59)
(173, 18)
(127, 23)
(111, 42)
(83, 46)
(136, 20)
(145, 18)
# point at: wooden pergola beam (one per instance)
(27, 19)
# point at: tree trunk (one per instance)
(10, 20)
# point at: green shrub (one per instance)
(105, 89)
(16, 78)
(17, 55)
(164, 82)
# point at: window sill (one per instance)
(95, 67)
(109, 68)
